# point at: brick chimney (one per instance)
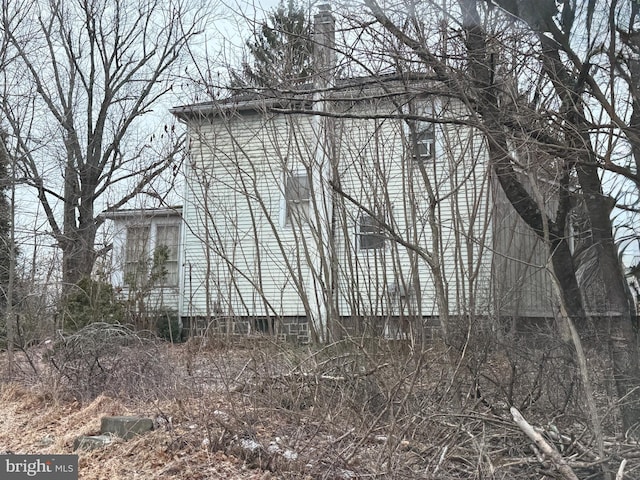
(324, 41)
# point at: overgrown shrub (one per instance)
(91, 301)
(168, 324)
(108, 358)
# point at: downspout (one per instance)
(321, 278)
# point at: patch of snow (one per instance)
(273, 448)
(290, 455)
(347, 473)
(221, 414)
(249, 444)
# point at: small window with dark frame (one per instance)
(297, 194)
(423, 141)
(371, 233)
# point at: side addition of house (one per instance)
(146, 259)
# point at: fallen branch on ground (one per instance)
(558, 460)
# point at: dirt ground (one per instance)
(257, 410)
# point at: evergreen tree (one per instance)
(280, 52)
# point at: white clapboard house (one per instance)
(347, 205)
(359, 206)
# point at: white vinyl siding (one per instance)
(244, 256)
(241, 256)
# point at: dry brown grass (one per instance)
(252, 408)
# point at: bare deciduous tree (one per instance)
(527, 99)
(81, 80)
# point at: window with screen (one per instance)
(423, 141)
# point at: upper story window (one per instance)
(297, 193)
(423, 141)
(371, 233)
(421, 131)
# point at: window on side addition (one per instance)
(136, 267)
(297, 193)
(167, 249)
